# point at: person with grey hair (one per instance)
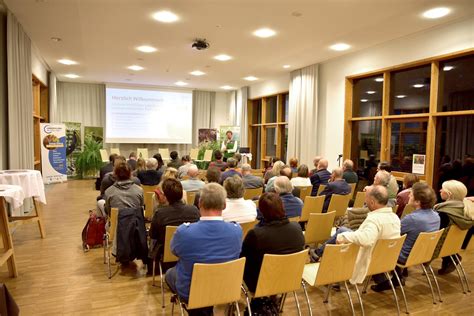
(316, 160)
(231, 171)
(193, 184)
(320, 177)
(349, 175)
(237, 209)
(150, 176)
(183, 170)
(302, 178)
(336, 185)
(383, 178)
(291, 204)
(277, 168)
(210, 240)
(250, 181)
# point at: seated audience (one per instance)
(159, 200)
(236, 208)
(210, 240)
(382, 178)
(275, 235)
(175, 162)
(183, 170)
(141, 166)
(320, 177)
(302, 179)
(404, 196)
(315, 164)
(277, 167)
(161, 164)
(293, 164)
(193, 184)
(336, 185)
(250, 181)
(110, 178)
(291, 204)
(132, 160)
(238, 158)
(213, 175)
(231, 171)
(269, 169)
(151, 176)
(106, 169)
(393, 185)
(349, 175)
(423, 219)
(218, 163)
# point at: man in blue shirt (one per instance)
(291, 204)
(423, 219)
(232, 164)
(210, 240)
(336, 185)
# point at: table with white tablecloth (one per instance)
(14, 194)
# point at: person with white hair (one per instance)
(291, 204)
(150, 176)
(336, 185)
(183, 170)
(193, 184)
(250, 181)
(349, 175)
(320, 177)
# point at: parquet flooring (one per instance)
(57, 278)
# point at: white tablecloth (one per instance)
(13, 194)
(29, 180)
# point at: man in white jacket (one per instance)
(381, 223)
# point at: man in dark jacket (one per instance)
(250, 181)
(291, 204)
(151, 176)
(132, 160)
(320, 177)
(175, 162)
(337, 185)
(349, 175)
(104, 170)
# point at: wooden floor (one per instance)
(57, 278)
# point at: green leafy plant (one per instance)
(89, 161)
(202, 149)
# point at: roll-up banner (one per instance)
(53, 152)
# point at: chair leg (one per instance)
(161, 284)
(464, 273)
(237, 307)
(436, 282)
(360, 299)
(153, 273)
(429, 283)
(105, 248)
(282, 302)
(326, 299)
(297, 303)
(459, 274)
(366, 284)
(393, 290)
(307, 298)
(350, 298)
(246, 298)
(403, 291)
(172, 307)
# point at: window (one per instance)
(271, 110)
(407, 138)
(367, 97)
(410, 90)
(365, 152)
(456, 84)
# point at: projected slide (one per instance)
(148, 116)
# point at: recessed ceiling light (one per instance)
(223, 57)
(71, 76)
(56, 39)
(401, 96)
(197, 73)
(286, 66)
(251, 78)
(135, 67)
(363, 100)
(370, 92)
(448, 68)
(146, 49)
(181, 83)
(264, 32)
(379, 79)
(340, 47)
(227, 87)
(165, 16)
(436, 13)
(418, 85)
(67, 62)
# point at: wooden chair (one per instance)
(214, 284)
(142, 153)
(294, 219)
(194, 154)
(312, 204)
(246, 227)
(148, 188)
(249, 194)
(167, 256)
(115, 151)
(207, 156)
(165, 153)
(319, 228)
(321, 188)
(149, 205)
(353, 187)
(408, 210)
(109, 239)
(294, 174)
(384, 259)
(280, 274)
(190, 197)
(339, 203)
(305, 191)
(336, 265)
(257, 172)
(421, 253)
(395, 208)
(359, 200)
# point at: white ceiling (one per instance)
(102, 35)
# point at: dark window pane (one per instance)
(365, 151)
(271, 142)
(367, 97)
(285, 107)
(407, 139)
(457, 84)
(271, 110)
(256, 111)
(410, 90)
(256, 141)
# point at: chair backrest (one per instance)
(142, 153)
(115, 151)
(408, 210)
(168, 256)
(453, 241)
(305, 191)
(249, 194)
(257, 172)
(359, 200)
(312, 204)
(294, 219)
(319, 227)
(113, 223)
(194, 153)
(339, 204)
(321, 188)
(280, 273)
(353, 188)
(337, 264)
(385, 255)
(164, 152)
(104, 155)
(190, 197)
(208, 155)
(215, 284)
(294, 174)
(423, 248)
(148, 188)
(149, 204)
(246, 227)
(395, 208)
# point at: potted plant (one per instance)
(89, 161)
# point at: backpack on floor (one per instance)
(93, 232)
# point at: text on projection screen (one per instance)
(148, 116)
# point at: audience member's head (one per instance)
(173, 190)
(213, 174)
(231, 163)
(174, 155)
(384, 165)
(348, 165)
(234, 186)
(238, 157)
(293, 162)
(133, 155)
(409, 180)
(323, 164)
(141, 164)
(453, 190)
(316, 161)
(376, 197)
(271, 207)
(303, 171)
(382, 178)
(186, 159)
(122, 171)
(151, 164)
(218, 155)
(277, 166)
(159, 159)
(118, 160)
(336, 174)
(273, 160)
(282, 185)
(212, 200)
(193, 171)
(170, 173)
(286, 171)
(112, 158)
(422, 196)
(246, 169)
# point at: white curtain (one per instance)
(53, 98)
(204, 103)
(232, 104)
(20, 97)
(242, 117)
(303, 114)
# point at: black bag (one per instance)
(263, 306)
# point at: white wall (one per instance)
(437, 41)
(269, 87)
(38, 66)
